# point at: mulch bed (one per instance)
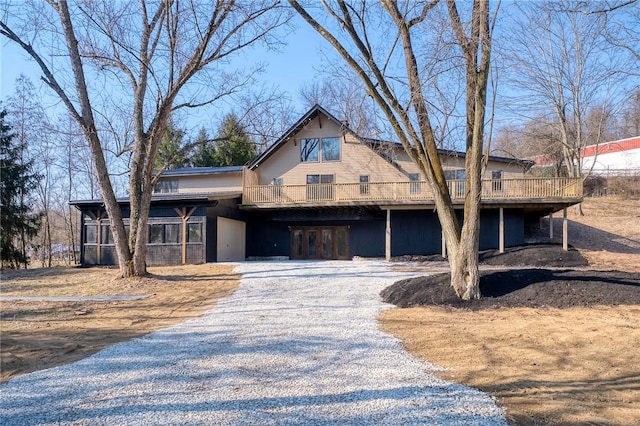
(523, 285)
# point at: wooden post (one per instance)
(185, 216)
(444, 245)
(565, 231)
(501, 230)
(387, 239)
(99, 240)
(551, 226)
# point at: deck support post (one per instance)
(551, 226)
(565, 230)
(387, 238)
(444, 245)
(501, 230)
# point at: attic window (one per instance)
(316, 149)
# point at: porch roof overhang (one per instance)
(166, 199)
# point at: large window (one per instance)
(316, 149)
(330, 149)
(164, 233)
(166, 186)
(309, 150)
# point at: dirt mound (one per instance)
(522, 288)
(541, 255)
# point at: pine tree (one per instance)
(235, 147)
(203, 155)
(232, 146)
(16, 221)
(171, 153)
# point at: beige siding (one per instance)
(209, 183)
(356, 160)
(510, 170)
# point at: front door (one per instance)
(320, 242)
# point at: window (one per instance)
(309, 150)
(315, 149)
(172, 233)
(167, 233)
(330, 149)
(459, 184)
(364, 185)
(460, 174)
(105, 235)
(496, 177)
(414, 187)
(165, 186)
(91, 234)
(156, 234)
(194, 232)
(277, 181)
(321, 187)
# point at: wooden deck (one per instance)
(508, 191)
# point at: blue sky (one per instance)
(288, 70)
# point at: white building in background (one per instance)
(619, 157)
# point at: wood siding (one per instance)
(356, 159)
(209, 183)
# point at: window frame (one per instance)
(364, 185)
(414, 186)
(319, 150)
(166, 186)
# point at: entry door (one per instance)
(325, 242)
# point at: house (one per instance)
(322, 192)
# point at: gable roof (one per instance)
(299, 125)
(371, 143)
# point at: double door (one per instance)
(320, 242)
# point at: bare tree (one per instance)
(566, 73)
(397, 68)
(156, 49)
(346, 99)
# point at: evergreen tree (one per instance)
(232, 146)
(16, 178)
(235, 147)
(203, 155)
(171, 153)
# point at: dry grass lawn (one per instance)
(547, 366)
(38, 335)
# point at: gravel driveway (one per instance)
(298, 343)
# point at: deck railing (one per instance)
(408, 192)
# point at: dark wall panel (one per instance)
(415, 232)
(489, 229)
(513, 227)
(268, 239)
(366, 238)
